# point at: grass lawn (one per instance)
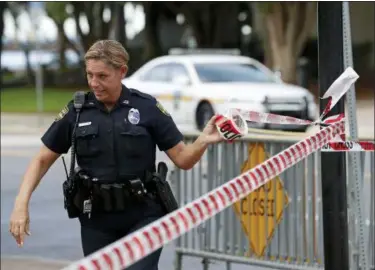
(24, 100)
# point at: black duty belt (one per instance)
(115, 196)
(96, 195)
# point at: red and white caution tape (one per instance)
(340, 86)
(348, 146)
(334, 93)
(270, 118)
(141, 243)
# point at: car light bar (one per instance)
(185, 51)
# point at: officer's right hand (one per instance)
(19, 224)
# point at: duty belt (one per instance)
(115, 196)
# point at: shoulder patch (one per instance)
(162, 109)
(140, 94)
(62, 113)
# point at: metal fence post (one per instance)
(354, 158)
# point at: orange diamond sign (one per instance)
(261, 211)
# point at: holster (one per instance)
(162, 189)
(76, 192)
(70, 192)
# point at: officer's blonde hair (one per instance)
(109, 51)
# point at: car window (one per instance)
(178, 70)
(165, 73)
(232, 72)
(158, 73)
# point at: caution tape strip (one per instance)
(230, 125)
(141, 243)
(348, 146)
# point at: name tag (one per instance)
(84, 124)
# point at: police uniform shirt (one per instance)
(114, 144)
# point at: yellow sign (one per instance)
(261, 211)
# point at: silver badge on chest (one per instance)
(134, 116)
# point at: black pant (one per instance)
(103, 229)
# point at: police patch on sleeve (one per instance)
(61, 114)
(162, 109)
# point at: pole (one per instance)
(334, 196)
(356, 203)
(35, 20)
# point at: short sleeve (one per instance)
(165, 131)
(58, 136)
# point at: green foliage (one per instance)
(24, 100)
(57, 11)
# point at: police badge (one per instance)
(134, 116)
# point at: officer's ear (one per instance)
(123, 71)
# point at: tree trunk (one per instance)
(288, 26)
(120, 25)
(62, 46)
(285, 61)
(227, 31)
(152, 41)
(29, 70)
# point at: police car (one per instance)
(194, 86)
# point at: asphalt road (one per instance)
(53, 235)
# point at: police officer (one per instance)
(116, 138)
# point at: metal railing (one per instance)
(279, 226)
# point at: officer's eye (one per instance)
(102, 76)
(89, 75)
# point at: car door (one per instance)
(156, 82)
(181, 98)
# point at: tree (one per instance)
(15, 9)
(214, 24)
(288, 26)
(57, 12)
(153, 11)
(120, 23)
(98, 26)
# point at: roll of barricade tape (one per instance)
(231, 126)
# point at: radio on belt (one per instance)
(231, 126)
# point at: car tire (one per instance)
(204, 114)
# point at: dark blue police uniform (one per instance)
(115, 146)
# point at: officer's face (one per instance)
(104, 80)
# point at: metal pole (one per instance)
(35, 18)
(334, 196)
(354, 159)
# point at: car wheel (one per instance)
(204, 114)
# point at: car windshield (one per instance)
(232, 72)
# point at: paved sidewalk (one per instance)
(17, 123)
(17, 263)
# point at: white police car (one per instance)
(192, 87)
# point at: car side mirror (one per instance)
(181, 80)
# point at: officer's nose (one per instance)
(94, 83)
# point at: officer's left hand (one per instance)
(210, 132)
